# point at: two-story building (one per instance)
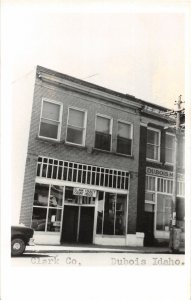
(98, 165)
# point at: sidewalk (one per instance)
(72, 248)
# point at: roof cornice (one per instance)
(79, 87)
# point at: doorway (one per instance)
(149, 228)
(78, 224)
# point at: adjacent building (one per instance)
(99, 166)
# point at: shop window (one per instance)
(164, 207)
(164, 185)
(124, 138)
(180, 188)
(169, 148)
(103, 133)
(150, 183)
(47, 207)
(76, 126)
(50, 121)
(153, 144)
(111, 218)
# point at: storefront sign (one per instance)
(163, 173)
(84, 192)
(159, 172)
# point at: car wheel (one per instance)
(17, 247)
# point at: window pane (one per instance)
(123, 146)
(103, 124)
(75, 135)
(163, 212)
(76, 118)
(51, 111)
(124, 130)
(120, 221)
(152, 137)
(41, 194)
(102, 141)
(54, 220)
(69, 197)
(169, 141)
(48, 129)
(56, 196)
(151, 151)
(169, 155)
(149, 196)
(109, 214)
(39, 218)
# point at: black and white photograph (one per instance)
(96, 148)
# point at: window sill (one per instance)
(74, 145)
(47, 140)
(169, 164)
(111, 152)
(154, 161)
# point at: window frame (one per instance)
(84, 128)
(110, 129)
(131, 125)
(159, 145)
(167, 162)
(59, 122)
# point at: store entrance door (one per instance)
(149, 229)
(78, 223)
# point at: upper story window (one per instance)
(50, 121)
(76, 126)
(153, 144)
(124, 138)
(103, 133)
(169, 148)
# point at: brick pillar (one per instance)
(132, 204)
(28, 190)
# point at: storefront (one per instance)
(78, 203)
(158, 203)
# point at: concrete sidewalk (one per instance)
(96, 249)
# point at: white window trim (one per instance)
(159, 146)
(132, 133)
(59, 122)
(167, 162)
(110, 127)
(84, 128)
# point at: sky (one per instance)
(140, 54)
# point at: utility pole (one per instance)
(174, 244)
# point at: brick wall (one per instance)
(85, 154)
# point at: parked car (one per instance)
(21, 236)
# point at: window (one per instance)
(150, 183)
(164, 207)
(76, 127)
(103, 133)
(50, 121)
(47, 208)
(81, 173)
(153, 144)
(124, 138)
(169, 148)
(164, 185)
(111, 217)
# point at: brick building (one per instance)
(92, 161)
